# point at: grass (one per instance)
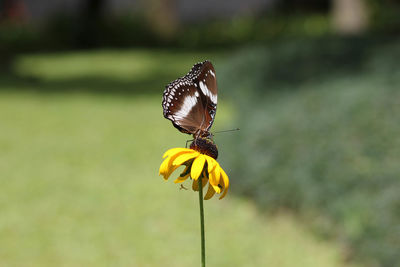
(79, 181)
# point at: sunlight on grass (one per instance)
(122, 65)
(80, 186)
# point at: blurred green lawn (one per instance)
(79, 174)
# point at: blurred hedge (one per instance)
(320, 136)
(132, 30)
(80, 31)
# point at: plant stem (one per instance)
(203, 243)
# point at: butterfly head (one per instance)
(205, 146)
(203, 134)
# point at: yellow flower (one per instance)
(197, 165)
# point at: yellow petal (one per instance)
(195, 184)
(210, 192)
(180, 179)
(224, 194)
(212, 163)
(213, 183)
(173, 151)
(225, 180)
(170, 171)
(184, 175)
(179, 160)
(215, 175)
(166, 167)
(197, 166)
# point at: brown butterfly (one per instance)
(190, 102)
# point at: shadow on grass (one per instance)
(117, 72)
(90, 84)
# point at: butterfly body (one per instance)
(190, 102)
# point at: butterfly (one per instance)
(190, 102)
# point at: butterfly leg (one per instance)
(188, 142)
(182, 187)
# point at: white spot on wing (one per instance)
(187, 106)
(207, 92)
(204, 88)
(212, 73)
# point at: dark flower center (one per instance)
(205, 146)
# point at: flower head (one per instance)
(199, 163)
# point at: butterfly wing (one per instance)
(207, 83)
(190, 102)
(183, 107)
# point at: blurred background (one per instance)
(313, 86)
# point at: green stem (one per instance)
(203, 243)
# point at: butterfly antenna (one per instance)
(231, 130)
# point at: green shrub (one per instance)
(320, 136)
